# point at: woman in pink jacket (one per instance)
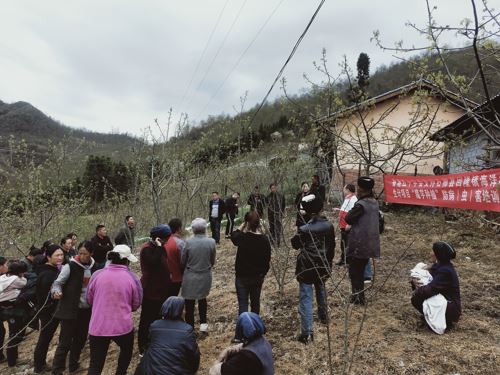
(114, 293)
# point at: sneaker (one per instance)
(203, 327)
(305, 338)
(236, 340)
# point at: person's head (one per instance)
(199, 226)
(311, 204)
(365, 186)
(236, 195)
(252, 221)
(161, 232)
(273, 187)
(101, 230)
(33, 252)
(175, 225)
(349, 189)
(249, 327)
(304, 187)
(173, 308)
(121, 255)
(215, 195)
(443, 251)
(256, 188)
(129, 220)
(315, 179)
(74, 238)
(66, 243)
(54, 255)
(17, 268)
(46, 245)
(3, 265)
(85, 251)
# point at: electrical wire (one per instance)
(294, 49)
(241, 57)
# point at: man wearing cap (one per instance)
(155, 280)
(316, 242)
(364, 238)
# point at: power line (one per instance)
(294, 49)
(220, 47)
(203, 53)
(241, 56)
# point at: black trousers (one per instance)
(202, 310)
(150, 311)
(16, 335)
(356, 274)
(343, 244)
(48, 326)
(276, 228)
(230, 223)
(99, 346)
(249, 288)
(72, 339)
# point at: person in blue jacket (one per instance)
(172, 346)
(444, 281)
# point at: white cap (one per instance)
(124, 252)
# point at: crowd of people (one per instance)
(90, 292)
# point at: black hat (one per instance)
(366, 183)
(443, 251)
(312, 204)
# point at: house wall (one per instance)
(464, 157)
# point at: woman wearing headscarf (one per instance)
(253, 357)
(172, 346)
(444, 282)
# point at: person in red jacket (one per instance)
(175, 247)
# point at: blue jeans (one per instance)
(368, 272)
(215, 227)
(306, 305)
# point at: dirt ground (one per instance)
(393, 338)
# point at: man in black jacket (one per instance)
(101, 245)
(257, 201)
(317, 189)
(126, 234)
(275, 211)
(316, 241)
(231, 212)
(216, 211)
(364, 238)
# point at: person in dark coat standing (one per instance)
(317, 189)
(155, 280)
(101, 246)
(126, 234)
(257, 202)
(231, 212)
(444, 281)
(73, 310)
(252, 263)
(275, 211)
(47, 274)
(172, 348)
(253, 357)
(316, 242)
(216, 211)
(363, 241)
(302, 218)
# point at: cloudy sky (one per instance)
(116, 65)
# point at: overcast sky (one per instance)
(116, 65)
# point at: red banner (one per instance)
(479, 190)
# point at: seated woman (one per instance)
(444, 282)
(253, 357)
(172, 348)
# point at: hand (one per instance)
(336, 209)
(228, 352)
(348, 227)
(56, 295)
(157, 241)
(302, 212)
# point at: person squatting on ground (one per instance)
(12, 283)
(252, 263)
(349, 200)
(114, 293)
(231, 203)
(275, 211)
(155, 280)
(316, 242)
(172, 347)
(444, 281)
(198, 259)
(174, 248)
(216, 211)
(302, 218)
(73, 310)
(363, 240)
(101, 245)
(46, 306)
(126, 234)
(253, 356)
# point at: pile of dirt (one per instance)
(393, 338)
